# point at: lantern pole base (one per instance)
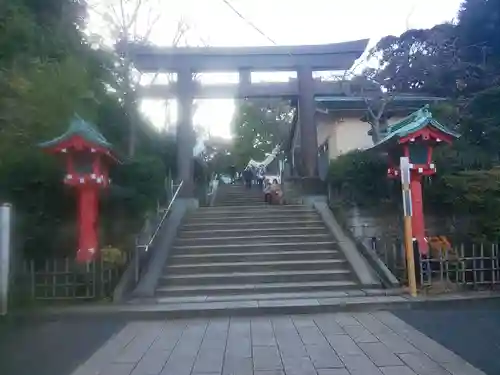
(87, 219)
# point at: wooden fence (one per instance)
(448, 266)
(65, 279)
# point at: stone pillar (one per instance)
(308, 131)
(245, 79)
(185, 132)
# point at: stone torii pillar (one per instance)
(308, 131)
(185, 131)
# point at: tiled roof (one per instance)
(82, 128)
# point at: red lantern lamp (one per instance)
(87, 156)
(415, 137)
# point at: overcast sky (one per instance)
(290, 22)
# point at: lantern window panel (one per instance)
(418, 153)
(83, 162)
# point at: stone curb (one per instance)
(153, 311)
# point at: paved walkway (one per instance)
(328, 344)
(472, 333)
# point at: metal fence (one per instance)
(66, 279)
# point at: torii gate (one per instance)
(302, 59)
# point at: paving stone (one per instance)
(299, 366)
(183, 356)
(323, 356)
(380, 354)
(238, 366)
(217, 330)
(311, 335)
(239, 349)
(239, 340)
(169, 336)
(425, 344)
(360, 334)
(346, 320)
(274, 372)
(422, 364)
(293, 350)
(152, 363)
(396, 343)
(372, 324)
(135, 350)
(118, 369)
(266, 358)
(344, 345)
(397, 370)
(303, 321)
(262, 332)
(209, 360)
(328, 325)
(360, 365)
(213, 347)
(179, 366)
(333, 371)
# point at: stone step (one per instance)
(252, 225)
(284, 306)
(252, 208)
(256, 266)
(242, 198)
(241, 202)
(233, 197)
(261, 203)
(269, 211)
(254, 257)
(252, 247)
(257, 277)
(252, 239)
(263, 230)
(245, 218)
(269, 296)
(148, 309)
(242, 289)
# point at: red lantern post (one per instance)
(87, 155)
(415, 137)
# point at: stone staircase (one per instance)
(250, 257)
(238, 195)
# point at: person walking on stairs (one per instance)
(260, 177)
(248, 177)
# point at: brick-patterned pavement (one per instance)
(327, 344)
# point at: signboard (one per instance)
(405, 184)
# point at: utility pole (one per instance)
(408, 236)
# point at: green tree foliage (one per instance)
(48, 72)
(258, 126)
(460, 62)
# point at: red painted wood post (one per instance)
(418, 221)
(88, 244)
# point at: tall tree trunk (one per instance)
(129, 105)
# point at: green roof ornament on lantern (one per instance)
(415, 137)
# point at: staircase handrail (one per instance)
(144, 248)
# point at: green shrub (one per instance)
(360, 177)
